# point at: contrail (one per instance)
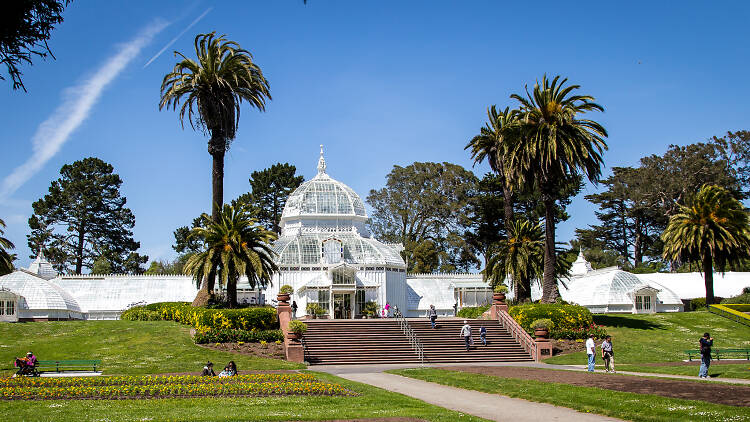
(74, 109)
(177, 37)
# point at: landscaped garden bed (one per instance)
(271, 350)
(139, 387)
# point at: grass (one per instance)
(124, 347)
(739, 370)
(663, 337)
(370, 403)
(628, 406)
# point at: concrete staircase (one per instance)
(369, 341)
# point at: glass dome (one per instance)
(323, 196)
(38, 293)
(307, 249)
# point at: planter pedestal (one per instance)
(543, 345)
(293, 349)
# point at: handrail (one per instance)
(729, 313)
(515, 329)
(410, 334)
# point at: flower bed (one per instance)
(167, 386)
(258, 318)
(569, 321)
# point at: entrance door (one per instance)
(342, 305)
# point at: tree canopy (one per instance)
(270, 189)
(25, 27)
(6, 259)
(425, 202)
(83, 217)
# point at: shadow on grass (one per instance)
(626, 322)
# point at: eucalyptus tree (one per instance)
(713, 230)
(235, 246)
(489, 145)
(6, 259)
(210, 92)
(548, 143)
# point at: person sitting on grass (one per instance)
(208, 370)
(229, 371)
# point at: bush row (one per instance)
(256, 318)
(472, 312)
(565, 317)
(598, 331)
(227, 335)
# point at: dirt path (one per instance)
(732, 395)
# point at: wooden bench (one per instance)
(717, 354)
(66, 365)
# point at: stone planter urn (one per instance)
(498, 298)
(294, 336)
(283, 299)
(541, 333)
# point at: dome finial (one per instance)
(321, 162)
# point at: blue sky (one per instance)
(377, 82)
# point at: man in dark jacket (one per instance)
(706, 342)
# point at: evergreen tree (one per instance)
(270, 188)
(83, 215)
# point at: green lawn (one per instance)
(662, 337)
(628, 406)
(734, 370)
(125, 347)
(370, 403)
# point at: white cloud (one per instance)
(76, 106)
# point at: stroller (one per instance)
(26, 369)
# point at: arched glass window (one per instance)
(333, 251)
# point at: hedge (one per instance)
(472, 312)
(226, 335)
(256, 318)
(578, 333)
(565, 317)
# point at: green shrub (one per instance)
(296, 326)
(370, 309)
(472, 312)
(257, 318)
(578, 333)
(315, 309)
(543, 323)
(286, 290)
(501, 288)
(698, 303)
(140, 313)
(744, 298)
(227, 335)
(565, 317)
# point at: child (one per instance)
(208, 370)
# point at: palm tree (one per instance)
(211, 91)
(235, 245)
(712, 230)
(549, 144)
(488, 145)
(6, 259)
(518, 257)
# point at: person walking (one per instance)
(432, 313)
(483, 334)
(705, 342)
(294, 309)
(466, 334)
(608, 355)
(591, 351)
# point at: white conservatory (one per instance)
(326, 253)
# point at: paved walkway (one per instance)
(489, 406)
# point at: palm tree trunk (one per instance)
(507, 200)
(217, 149)
(549, 283)
(708, 276)
(232, 292)
(523, 290)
